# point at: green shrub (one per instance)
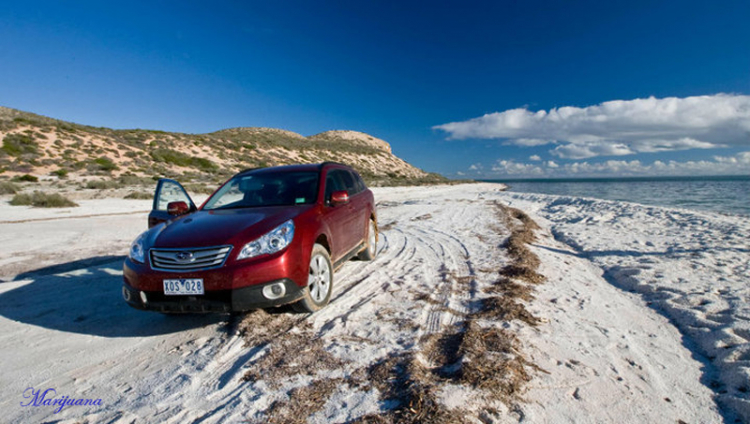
(204, 164)
(42, 200)
(19, 144)
(26, 178)
(60, 173)
(27, 121)
(105, 164)
(139, 195)
(134, 180)
(62, 126)
(7, 187)
(102, 184)
(181, 159)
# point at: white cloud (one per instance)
(535, 158)
(738, 164)
(619, 127)
(590, 150)
(509, 167)
(531, 142)
(476, 167)
(740, 159)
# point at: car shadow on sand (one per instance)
(85, 297)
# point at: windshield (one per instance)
(266, 189)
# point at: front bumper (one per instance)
(242, 299)
(235, 286)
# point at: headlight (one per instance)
(271, 242)
(137, 252)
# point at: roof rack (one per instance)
(333, 163)
(321, 165)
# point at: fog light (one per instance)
(144, 299)
(126, 294)
(274, 291)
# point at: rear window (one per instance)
(358, 182)
(348, 181)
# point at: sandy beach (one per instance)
(641, 315)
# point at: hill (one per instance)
(46, 147)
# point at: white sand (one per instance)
(691, 267)
(609, 355)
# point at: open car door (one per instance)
(170, 200)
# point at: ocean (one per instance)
(729, 195)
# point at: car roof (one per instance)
(293, 168)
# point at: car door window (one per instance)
(333, 183)
(170, 191)
(359, 186)
(348, 182)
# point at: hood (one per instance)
(221, 227)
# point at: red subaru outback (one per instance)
(266, 237)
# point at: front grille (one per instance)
(191, 259)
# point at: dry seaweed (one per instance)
(302, 402)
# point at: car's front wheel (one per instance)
(319, 282)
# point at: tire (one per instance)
(371, 243)
(317, 294)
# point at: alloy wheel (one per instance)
(319, 280)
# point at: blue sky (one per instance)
(455, 87)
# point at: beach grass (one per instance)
(42, 200)
(7, 187)
(139, 195)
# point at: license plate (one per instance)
(183, 286)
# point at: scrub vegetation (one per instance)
(8, 188)
(19, 144)
(42, 200)
(26, 178)
(139, 195)
(38, 145)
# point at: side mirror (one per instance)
(339, 198)
(177, 208)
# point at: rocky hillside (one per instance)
(52, 149)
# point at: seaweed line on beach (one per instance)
(483, 357)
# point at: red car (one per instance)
(266, 237)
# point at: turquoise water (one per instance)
(716, 194)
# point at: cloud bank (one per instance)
(619, 127)
(738, 164)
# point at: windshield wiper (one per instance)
(231, 207)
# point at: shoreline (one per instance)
(718, 195)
